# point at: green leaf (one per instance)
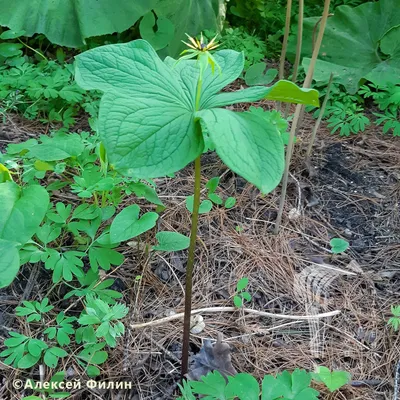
(256, 75)
(126, 100)
(242, 284)
(104, 257)
(28, 361)
(148, 121)
(284, 91)
(247, 146)
(127, 224)
(332, 380)
(237, 301)
(58, 147)
(171, 241)
(11, 34)
(76, 20)
(10, 49)
(157, 34)
(213, 384)
(9, 262)
(244, 386)
(143, 190)
(230, 202)
(22, 211)
(378, 52)
(339, 245)
(212, 184)
(188, 17)
(216, 199)
(204, 208)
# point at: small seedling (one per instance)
(241, 295)
(394, 321)
(339, 245)
(332, 380)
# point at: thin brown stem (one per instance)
(189, 268)
(284, 44)
(299, 46)
(298, 112)
(320, 116)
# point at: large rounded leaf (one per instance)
(148, 120)
(9, 262)
(189, 16)
(360, 42)
(247, 145)
(68, 23)
(22, 211)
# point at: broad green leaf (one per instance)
(11, 34)
(22, 211)
(57, 148)
(127, 224)
(69, 23)
(10, 49)
(148, 121)
(9, 262)
(284, 91)
(247, 146)
(159, 33)
(171, 241)
(372, 36)
(155, 134)
(5, 174)
(333, 380)
(189, 17)
(256, 75)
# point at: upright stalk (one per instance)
(285, 40)
(320, 116)
(284, 43)
(192, 248)
(299, 45)
(299, 107)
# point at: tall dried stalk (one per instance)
(307, 84)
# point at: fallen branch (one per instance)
(233, 309)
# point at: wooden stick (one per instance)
(233, 309)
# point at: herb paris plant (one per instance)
(155, 116)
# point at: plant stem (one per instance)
(320, 116)
(189, 268)
(284, 43)
(31, 48)
(298, 112)
(298, 48)
(192, 247)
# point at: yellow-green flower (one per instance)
(201, 50)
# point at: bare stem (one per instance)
(320, 116)
(285, 40)
(284, 44)
(298, 48)
(189, 268)
(298, 112)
